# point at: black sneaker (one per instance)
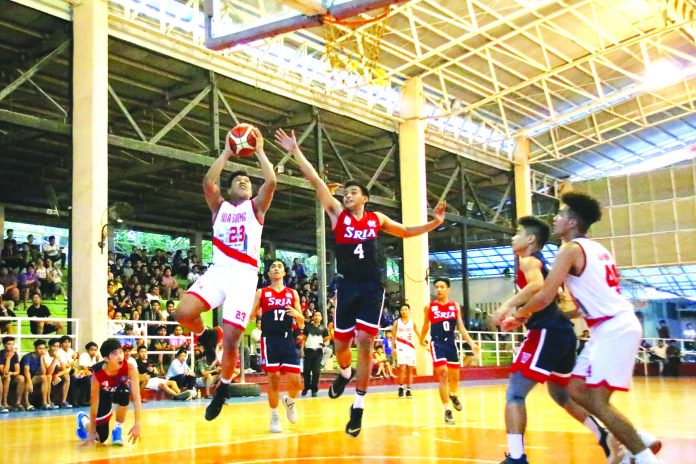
(401, 392)
(304, 391)
(449, 418)
(355, 423)
(604, 434)
(408, 393)
(339, 384)
(455, 402)
(215, 407)
(209, 339)
(509, 460)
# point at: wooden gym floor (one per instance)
(394, 430)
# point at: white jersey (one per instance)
(596, 290)
(236, 235)
(405, 335)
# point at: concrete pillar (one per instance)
(90, 165)
(523, 177)
(197, 243)
(320, 221)
(414, 207)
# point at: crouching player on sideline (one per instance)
(114, 380)
(280, 311)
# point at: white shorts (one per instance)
(232, 287)
(608, 358)
(153, 383)
(405, 356)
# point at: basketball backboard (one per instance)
(234, 22)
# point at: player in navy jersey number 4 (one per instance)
(114, 381)
(359, 294)
(442, 316)
(606, 362)
(281, 313)
(231, 281)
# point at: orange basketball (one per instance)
(242, 141)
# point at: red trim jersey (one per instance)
(274, 319)
(107, 382)
(443, 320)
(356, 246)
(236, 234)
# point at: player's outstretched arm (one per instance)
(328, 202)
(397, 229)
(134, 432)
(211, 191)
(266, 191)
(565, 259)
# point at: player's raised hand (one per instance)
(287, 141)
(259, 139)
(227, 152)
(439, 211)
(134, 434)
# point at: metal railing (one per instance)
(113, 324)
(686, 347)
(503, 343)
(22, 329)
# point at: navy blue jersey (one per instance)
(551, 316)
(443, 320)
(274, 319)
(356, 246)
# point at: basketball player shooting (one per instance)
(605, 364)
(359, 294)
(231, 280)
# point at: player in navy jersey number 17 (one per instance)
(360, 294)
(231, 281)
(280, 315)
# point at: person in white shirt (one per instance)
(83, 374)
(54, 252)
(57, 372)
(180, 372)
(606, 363)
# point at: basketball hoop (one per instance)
(344, 41)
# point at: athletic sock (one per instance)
(447, 406)
(592, 424)
(646, 457)
(274, 411)
(345, 373)
(515, 445)
(118, 425)
(359, 401)
(225, 381)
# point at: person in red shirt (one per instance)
(115, 379)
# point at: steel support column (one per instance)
(320, 221)
(463, 245)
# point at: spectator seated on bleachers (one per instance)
(52, 251)
(381, 366)
(58, 373)
(118, 327)
(160, 344)
(36, 378)
(6, 310)
(37, 309)
(10, 253)
(55, 277)
(83, 374)
(28, 283)
(178, 339)
(169, 286)
(207, 375)
(180, 372)
(30, 250)
(8, 280)
(12, 381)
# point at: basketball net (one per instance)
(344, 42)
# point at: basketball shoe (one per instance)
(117, 436)
(355, 423)
(401, 392)
(339, 384)
(81, 430)
(455, 402)
(275, 422)
(290, 411)
(215, 407)
(408, 394)
(449, 418)
(509, 460)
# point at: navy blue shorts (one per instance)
(444, 352)
(547, 354)
(358, 307)
(278, 354)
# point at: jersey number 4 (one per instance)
(612, 276)
(359, 251)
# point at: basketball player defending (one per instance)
(360, 294)
(280, 310)
(404, 349)
(231, 280)
(548, 350)
(606, 363)
(115, 379)
(441, 317)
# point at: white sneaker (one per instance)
(290, 410)
(275, 423)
